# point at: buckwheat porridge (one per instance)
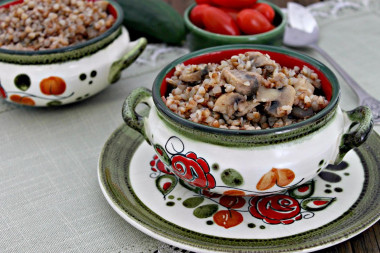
(49, 24)
(248, 91)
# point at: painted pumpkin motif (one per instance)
(22, 100)
(280, 177)
(53, 85)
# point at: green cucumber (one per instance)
(153, 19)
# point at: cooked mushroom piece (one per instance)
(194, 76)
(245, 107)
(246, 83)
(262, 61)
(229, 103)
(279, 102)
(300, 113)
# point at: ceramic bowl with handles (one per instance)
(248, 162)
(69, 74)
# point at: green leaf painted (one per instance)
(162, 154)
(166, 183)
(189, 187)
(22, 82)
(316, 203)
(193, 202)
(303, 191)
(54, 103)
(205, 211)
(232, 177)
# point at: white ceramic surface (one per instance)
(305, 156)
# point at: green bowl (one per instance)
(198, 38)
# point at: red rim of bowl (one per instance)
(284, 57)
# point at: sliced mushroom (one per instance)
(246, 107)
(262, 61)
(300, 113)
(194, 77)
(267, 94)
(246, 83)
(229, 103)
(276, 98)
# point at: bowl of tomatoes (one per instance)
(220, 22)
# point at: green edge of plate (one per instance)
(122, 144)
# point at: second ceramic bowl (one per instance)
(198, 38)
(69, 74)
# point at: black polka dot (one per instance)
(251, 225)
(82, 77)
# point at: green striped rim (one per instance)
(66, 53)
(246, 137)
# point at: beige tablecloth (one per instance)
(50, 200)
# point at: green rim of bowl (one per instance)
(66, 53)
(241, 38)
(242, 137)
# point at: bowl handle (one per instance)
(127, 59)
(360, 125)
(130, 116)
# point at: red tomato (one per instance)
(217, 21)
(266, 10)
(203, 1)
(238, 4)
(251, 21)
(196, 15)
(230, 11)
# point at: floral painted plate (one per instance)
(341, 202)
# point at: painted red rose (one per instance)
(275, 209)
(157, 165)
(3, 94)
(193, 170)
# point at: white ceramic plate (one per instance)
(337, 205)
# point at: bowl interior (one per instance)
(113, 8)
(283, 58)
